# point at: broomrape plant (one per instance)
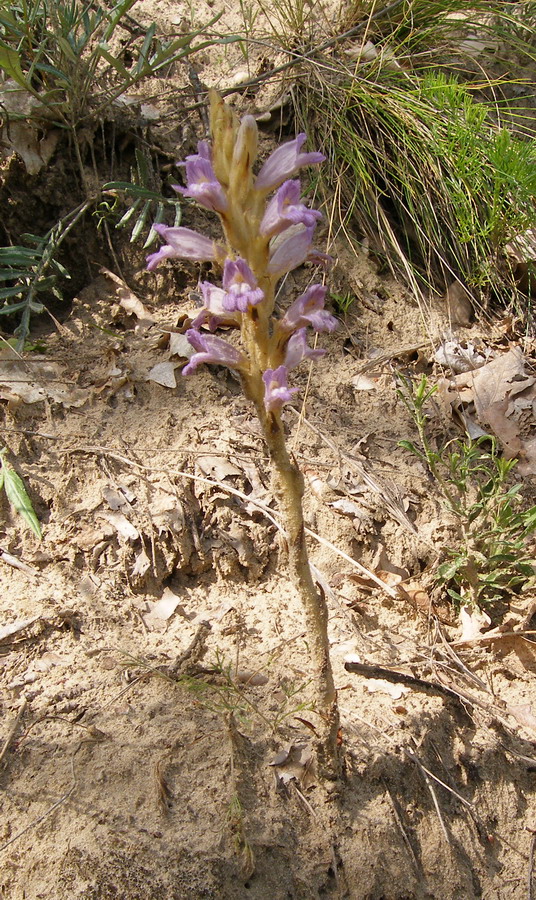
(268, 232)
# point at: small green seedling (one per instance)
(342, 303)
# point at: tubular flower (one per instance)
(284, 162)
(240, 285)
(211, 349)
(276, 389)
(308, 309)
(297, 349)
(285, 209)
(183, 243)
(213, 313)
(202, 183)
(291, 251)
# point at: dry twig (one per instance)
(13, 730)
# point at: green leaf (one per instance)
(132, 190)
(143, 60)
(19, 499)
(114, 62)
(9, 274)
(455, 595)
(66, 49)
(448, 570)
(10, 63)
(126, 217)
(11, 291)
(138, 227)
(152, 236)
(116, 14)
(18, 256)
(10, 308)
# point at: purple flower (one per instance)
(240, 285)
(203, 152)
(308, 309)
(211, 349)
(284, 209)
(213, 313)
(183, 243)
(297, 349)
(284, 162)
(291, 251)
(276, 389)
(201, 182)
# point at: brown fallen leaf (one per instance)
(24, 122)
(504, 397)
(127, 300)
(163, 373)
(164, 608)
(255, 679)
(523, 714)
(295, 762)
(217, 467)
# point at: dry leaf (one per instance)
(164, 374)
(319, 487)
(179, 345)
(458, 303)
(524, 715)
(47, 660)
(505, 399)
(166, 606)
(460, 356)
(7, 631)
(473, 622)
(114, 498)
(217, 467)
(167, 513)
(24, 135)
(256, 679)
(124, 528)
(127, 300)
(36, 382)
(348, 507)
(362, 383)
(295, 763)
(141, 565)
(396, 691)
